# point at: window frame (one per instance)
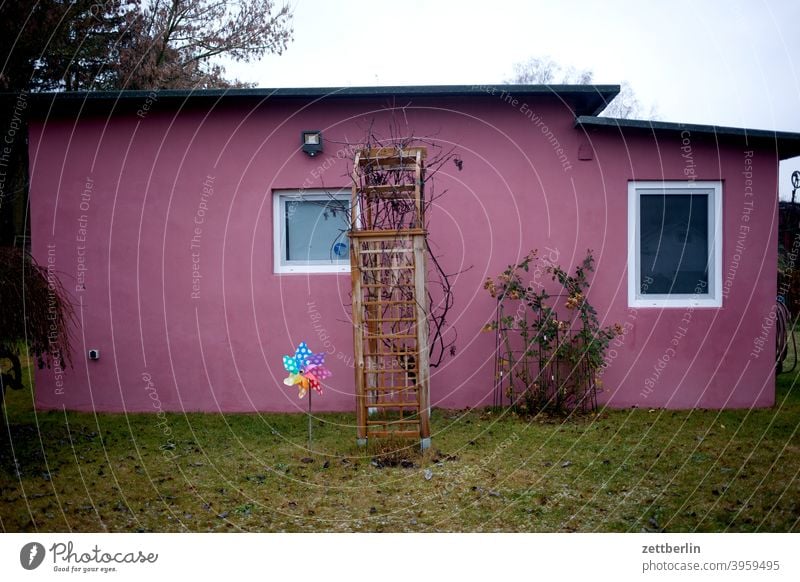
(714, 190)
(279, 200)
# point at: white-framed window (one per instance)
(310, 231)
(674, 244)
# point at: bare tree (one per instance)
(626, 105)
(175, 43)
(546, 71)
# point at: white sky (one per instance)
(722, 62)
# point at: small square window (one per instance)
(674, 244)
(310, 231)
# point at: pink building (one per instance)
(176, 219)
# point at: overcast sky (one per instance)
(722, 62)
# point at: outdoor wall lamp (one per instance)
(312, 142)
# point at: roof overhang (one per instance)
(785, 144)
(582, 99)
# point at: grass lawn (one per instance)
(623, 470)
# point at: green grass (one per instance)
(625, 470)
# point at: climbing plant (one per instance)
(442, 336)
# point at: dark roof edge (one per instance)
(586, 99)
(341, 91)
(786, 143)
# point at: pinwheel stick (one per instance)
(309, 420)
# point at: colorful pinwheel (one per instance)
(306, 370)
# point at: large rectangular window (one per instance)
(310, 230)
(674, 244)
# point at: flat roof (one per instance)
(786, 144)
(584, 99)
(587, 101)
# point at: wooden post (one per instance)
(358, 313)
(420, 270)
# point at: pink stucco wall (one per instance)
(132, 187)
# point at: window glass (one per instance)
(315, 230)
(674, 243)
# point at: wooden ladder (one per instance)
(390, 301)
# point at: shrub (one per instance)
(548, 362)
(35, 313)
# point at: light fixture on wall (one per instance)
(312, 142)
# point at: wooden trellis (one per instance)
(388, 269)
